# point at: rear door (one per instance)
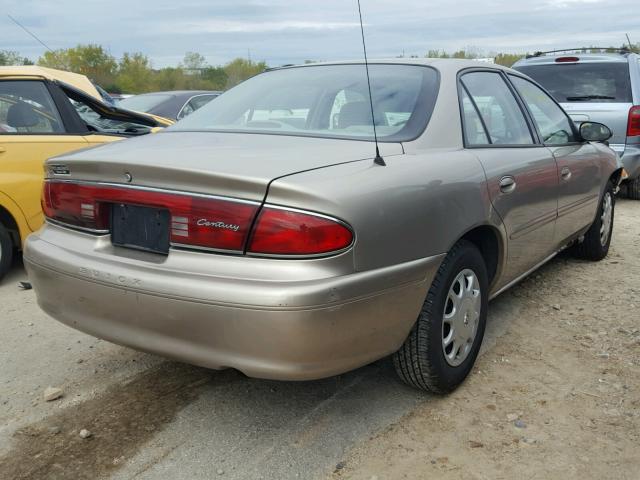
(579, 165)
(32, 129)
(521, 173)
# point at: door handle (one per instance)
(565, 173)
(507, 184)
(2, 149)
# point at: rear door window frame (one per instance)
(535, 135)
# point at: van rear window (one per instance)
(583, 82)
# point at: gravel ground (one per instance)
(557, 397)
(555, 394)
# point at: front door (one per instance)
(522, 174)
(579, 167)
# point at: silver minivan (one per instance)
(598, 87)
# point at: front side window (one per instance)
(553, 123)
(583, 82)
(498, 108)
(326, 101)
(26, 107)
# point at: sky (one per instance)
(292, 31)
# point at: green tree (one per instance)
(240, 69)
(508, 59)
(134, 73)
(215, 78)
(169, 78)
(8, 57)
(90, 60)
(194, 61)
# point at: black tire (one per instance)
(592, 247)
(421, 361)
(6, 251)
(633, 188)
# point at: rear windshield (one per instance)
(143, 103)
(325, 101)
(583, 82)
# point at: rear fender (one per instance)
(11, 208)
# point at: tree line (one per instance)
(134, 73)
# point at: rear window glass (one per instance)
(325, 101)
(583, 82)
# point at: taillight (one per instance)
(201, 221)
(196, 221)
(633, 127)
(70, 204)
(290, 232)
(567, 59)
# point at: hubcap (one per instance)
(606, 218)
(461, 317)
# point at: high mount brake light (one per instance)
(633, 127)
(199, 221)
(196, 221)
(567, 59)
(280, 231)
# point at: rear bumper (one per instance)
(631, 160)
(267, 326)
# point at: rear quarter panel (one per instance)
(416, 206)
(14, 210)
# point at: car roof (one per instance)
(584, 57)
(450, 65)
(81, 82)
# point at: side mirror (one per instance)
(595, 132)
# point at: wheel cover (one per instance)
(606, 218)
(461, 317)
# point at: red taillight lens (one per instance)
(633, 127)
(289, 232)
(196, 221)
(567, 59)
(68, 203)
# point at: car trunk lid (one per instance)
(225, 164)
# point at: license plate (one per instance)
(142, 228)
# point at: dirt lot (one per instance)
(555, 394)
(557, 397)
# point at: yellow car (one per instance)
(43, 113)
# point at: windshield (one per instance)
(325, 101)
(143, 103)
(583, 82)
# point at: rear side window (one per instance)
(474, 132)
(26, 107)
(552, 122)
(499, 110)
(583, 82)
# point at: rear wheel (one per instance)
(6, 251)
(633, 188)
(598, 238)
(444, 342)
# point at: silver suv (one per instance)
(599, 87)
